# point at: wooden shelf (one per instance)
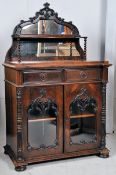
(82, 116)
(50, 38)
(41, 119)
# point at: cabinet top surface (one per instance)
(57, 64)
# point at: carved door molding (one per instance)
(83, 107)
(43, 112)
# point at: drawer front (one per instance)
(43, 76)
(82, 74)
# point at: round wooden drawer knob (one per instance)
(43, 76)
(83, 75)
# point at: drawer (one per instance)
(43, 76)
(82, 74)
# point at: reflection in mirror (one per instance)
(83, 118)
(46, 27)
(33, 48)
(83, 130)
(42, 134)
(42, 123)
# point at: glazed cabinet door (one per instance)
(82, 116)
(43, 120)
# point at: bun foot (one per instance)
(5, 150)
(20, 168)
(104, 153)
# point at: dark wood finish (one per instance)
(70, 91)
(45, 36)
(57, 64)
(83, 74)
(82, 116)
(49, 157)
(52, 92)
(56, 93)
(42, 76)
(104, 153)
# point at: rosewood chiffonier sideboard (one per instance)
(55, 98)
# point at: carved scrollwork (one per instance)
(43, 106)
(45, 13)
(43, 146)
(19, 125)
(82, 142)
(103, 118)
(83, 75)
(43, 76)
(85, 142)
(104, 153)
(83, 103)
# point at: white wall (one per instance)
(111, 55)
(88, 15)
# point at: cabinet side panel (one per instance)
(13, 76)
(11, 124)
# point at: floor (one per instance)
(90, 165)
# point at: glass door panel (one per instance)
(44, 118)
(82, 113)
(42, 122)
(42, 133)
(83, 130)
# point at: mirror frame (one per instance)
(45, 14)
